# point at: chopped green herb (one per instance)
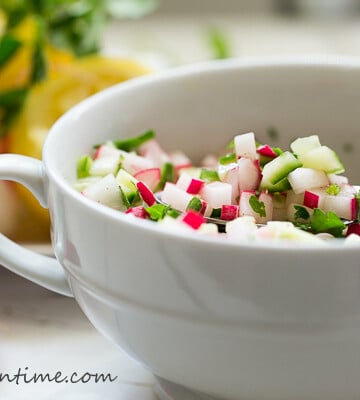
(272, 133)
(326, 222)
(167, 175)
(209, 175)
(333, 189)
(277, 150)
(83, 166)
(301, 212)
(194, 204)
(134, 142)
(216, 213)
(157, 211)
(257, 206)
(228, 159)
(173, 213)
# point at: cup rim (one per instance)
(292, 61)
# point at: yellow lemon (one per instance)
(68, 83)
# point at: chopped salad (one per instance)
(251, 191)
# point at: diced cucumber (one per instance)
(324, 159)
(194, 172)
(278, 169)
(303, 145)
(128, 185)
(281, 186)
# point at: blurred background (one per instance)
(54, 53)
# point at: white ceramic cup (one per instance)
(233, 321)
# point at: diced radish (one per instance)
(338, 179)
(302, 179)
(347, 189)
(138, 212)
(249, 174)
(180, 160)
(209, 161)
(229, 173)
(245, 145)
(193, 219)
(106, 191)
(353, 229)
(189, 184)
(229, 212)
(343, 206)
(217, 193)
(105, 165)
(303, 145)
(154, 152)
(150, 176)
(314, 198)
(266, 150)
(247, 209)
(106, 150)
(241, 228)
(322, 158)
(146, 194)
(133, 163)
(175, 197)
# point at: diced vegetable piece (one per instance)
(132, 163)
(229, 212)
(228, 159)
(82, 183)
(281, 230)
(194, 172)
(267, 200)
(134, 142)
(303, 145)
(266, 151)
(279, 168)
(217, 193)
(209, 175)
(138, 212)
(298, 213)
(229, 174)
(154, 152)
(302, 179)
(146, 193)
(314, 198)
(193, 219)
(327, 222)
(245, 145)
(106, 191)
(189, 184)
(83, 166)
(249, 174)
(128, 185)
(241, 228)
(353, 229)
(150, 176)
(176, 197)
(338, 179)
(322, 158)
(258, 207)
(103, 166)
(106, 150)
(281, 186)
(343, 206)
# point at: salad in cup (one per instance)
(251, 192)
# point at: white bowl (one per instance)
(233, 321)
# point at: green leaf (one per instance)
(228, 159)
(157, 211)
(173, 213)
(8, 47)
(333, 189)
(219, 43)
(257, 206)
(167, 175)
(301, 212)
(83, 166)
(209, 175)
(195, 204)
(326, 222)
(133, 143)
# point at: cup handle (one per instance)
(43, 270)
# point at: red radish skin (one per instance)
(189, 184)
(266, 150)
(353, 228)
(229, 212)
(311, 199)
(203, 207)
(354, 208)
(193, 219)
(138, 212)
(151, 177)
(146, 194)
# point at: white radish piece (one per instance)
(338, 179)
(249, 174)
(229, 173)
(154, 152)
(343, 206)
(292, 198)
(189, 184)
(298, 213)
(302, 179)
(245, 146)
(241, 228)
(105, 165)
(106, 150)
(314, 198)
(216, 194)
(133, 163)
(176, 197)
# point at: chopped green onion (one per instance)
(194, 204)
(326, 222)
(228, 159)
(209, 175)
(257, 206)
(277, 150)
(83, 166)
(173, 213)
(124, 198)
(333, 189)
(134, 142)
(157, 211)
(301, 212)
(167, 175)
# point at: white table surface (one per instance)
(46, 332)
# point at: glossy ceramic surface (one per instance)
(232, 321)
